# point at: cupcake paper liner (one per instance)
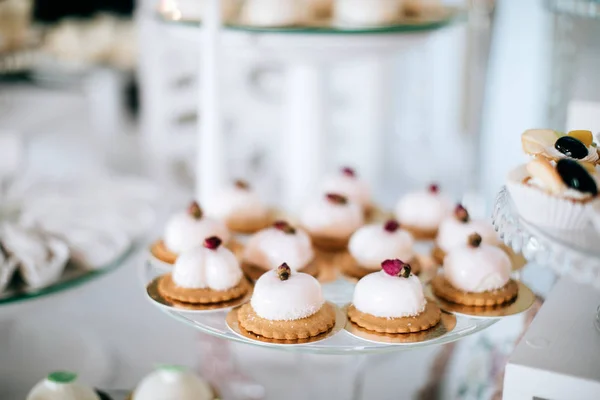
(543, 209)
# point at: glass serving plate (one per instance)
(573, 253)
(339, 292)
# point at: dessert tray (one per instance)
(572, 253)
(338, 292)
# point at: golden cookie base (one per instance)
(170, 290)
(443, 289)
(438, 255)
(247, 226)
(320, 322)
(327, 243)
(354, 270)
(420, 233)
(421, 322)
(253, 271)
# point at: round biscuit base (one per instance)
(331, 244)
(420, 233)
(443, 289)
(421, 322)
(314, 325)
(170, 290)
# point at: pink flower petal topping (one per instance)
(396, 268)
(194, 210)
(474, 240)
(461, 213)
(434, 188)
(391, 226)
(284, 227)
(212, 242)
(336, 198)
(242, 184)
(349, 172)
(284, 272)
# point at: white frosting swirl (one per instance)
(297, 297)
(591, 157)
(50, 390)
(184, 232)
(323, 217)
(372, 244)
(477, 269)
(369, 12)
(453, 233)
(271, 247)
(237, 203)
(387, 296)
(423, 209)
(352, 187)
(201, 268)
(172, 383)
(273, 12)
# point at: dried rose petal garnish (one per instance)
(396, 268)
(212, 242)
(284, 227)
(194, 210)
(242, 184)
(461, 213)
(434, 188)
(391, 226)
(284, 272)
(474, 240)
(349, 172)
(336, 198)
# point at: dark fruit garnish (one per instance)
(461, 213)
(212, 242)
(391, 226)
(241, 184)
(575, 176)
(433, 188)
(474, 240)
(284, 272)
(349, 172)
(571, 147)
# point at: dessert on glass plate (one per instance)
(188, 229)
(287, 307)
(270, 247)
(553, 145)
(375, 242)
(392, 301)
(456, 229)
(554, 194)
(476, 274)
(347, 183)
(63, 385)
(173, 382)
(240, 207)
(422, 212)
(205, 277)
(330, 220)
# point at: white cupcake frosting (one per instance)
(477, 269)
(183, 231)
(453, 232)
(324, 217)
(297, 297)
(423, 209)
(591, 157)
(274, 12)
(271, 247)
(203, 268)
(372, 244)
(387, 296)
(235, 202)
(68, 389)
(367, 12)
(349, 185)
(172, 383)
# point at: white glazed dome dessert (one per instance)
(188, 229)
(171, 382)
(62, 386)
(274, 13)
(287, 305)
(392, 301)
(330, 220)
(240, 207)
(476, 274)
(422, 212)
(349, 184)
(373, 243)
(271, 247)
(207, 274)
(456, 229)
(367, 12)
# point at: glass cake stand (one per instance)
(572, 253)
